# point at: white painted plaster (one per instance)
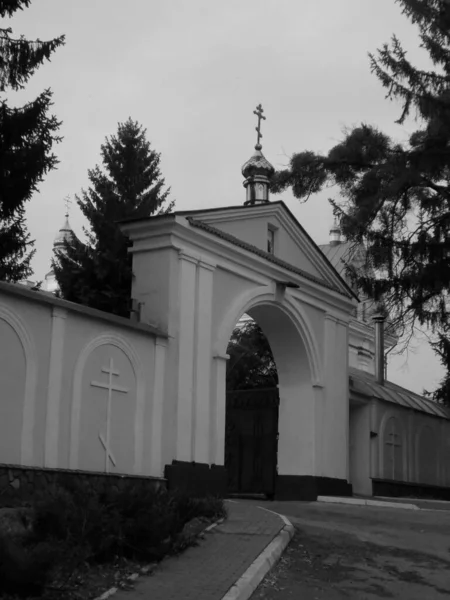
(110, 338)
(410, 448)
(186, 350)
(360, 447)
(157, 467)
(203, 354)
(374, 454)
(297, 419)
(264, 295)
(56, 365)
(430, 447)
(392, 414)
(27, 441)
(220, 362)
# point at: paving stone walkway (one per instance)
(207, 571)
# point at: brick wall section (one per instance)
(19, 484)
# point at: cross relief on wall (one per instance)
(393, 446)
(105, 437)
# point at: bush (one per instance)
(24, 571)
(128, 524)
(72, 527)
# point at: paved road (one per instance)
(207, 571)
(361, 553)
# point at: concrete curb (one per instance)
(363, 502)
(247, 584)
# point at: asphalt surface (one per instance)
(208, 570)
(361, 553)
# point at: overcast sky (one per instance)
(192, 72)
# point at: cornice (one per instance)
(307, 246)
(177, 234)
(230, 214)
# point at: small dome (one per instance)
(335, 233)
(65, 233)
(257, 165)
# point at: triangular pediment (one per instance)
(292, 244)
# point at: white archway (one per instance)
(299, 365)
(265, 296)
(27, 436)
(120, 342)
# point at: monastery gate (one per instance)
(196, 274)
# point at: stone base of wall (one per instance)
(196, 478)
(308, 487)
(404, 489)
(19, 484)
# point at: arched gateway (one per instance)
(196, 274)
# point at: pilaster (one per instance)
(202, 363)
(156, 465)
(54, 389)
(374, 441)
(410, 449)
(186, 353)
(324, 412)
(219, 409)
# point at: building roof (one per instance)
(196, 215)
(365, 384)
(267, 255)
(338, 255)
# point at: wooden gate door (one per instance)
(251, 440)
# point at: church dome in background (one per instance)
(64, 234)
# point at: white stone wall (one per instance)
(360, 448)
(79, 389)
(412, 446)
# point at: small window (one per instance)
(271, 240)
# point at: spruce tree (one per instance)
(251, 364)
(395, 196)
(27, 135)
(98, 273)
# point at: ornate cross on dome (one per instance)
(259, 113)
(67, 202)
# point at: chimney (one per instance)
(379, 318)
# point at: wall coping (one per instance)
(17, 289)
(10, 467)
(416, 484)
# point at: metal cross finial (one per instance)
(259, 113)
(67, 202)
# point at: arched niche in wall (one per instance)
(18, 380)
(108, 407)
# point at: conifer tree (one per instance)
(251, 364)
(98, 273)
(395, 196)
(27, 135)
